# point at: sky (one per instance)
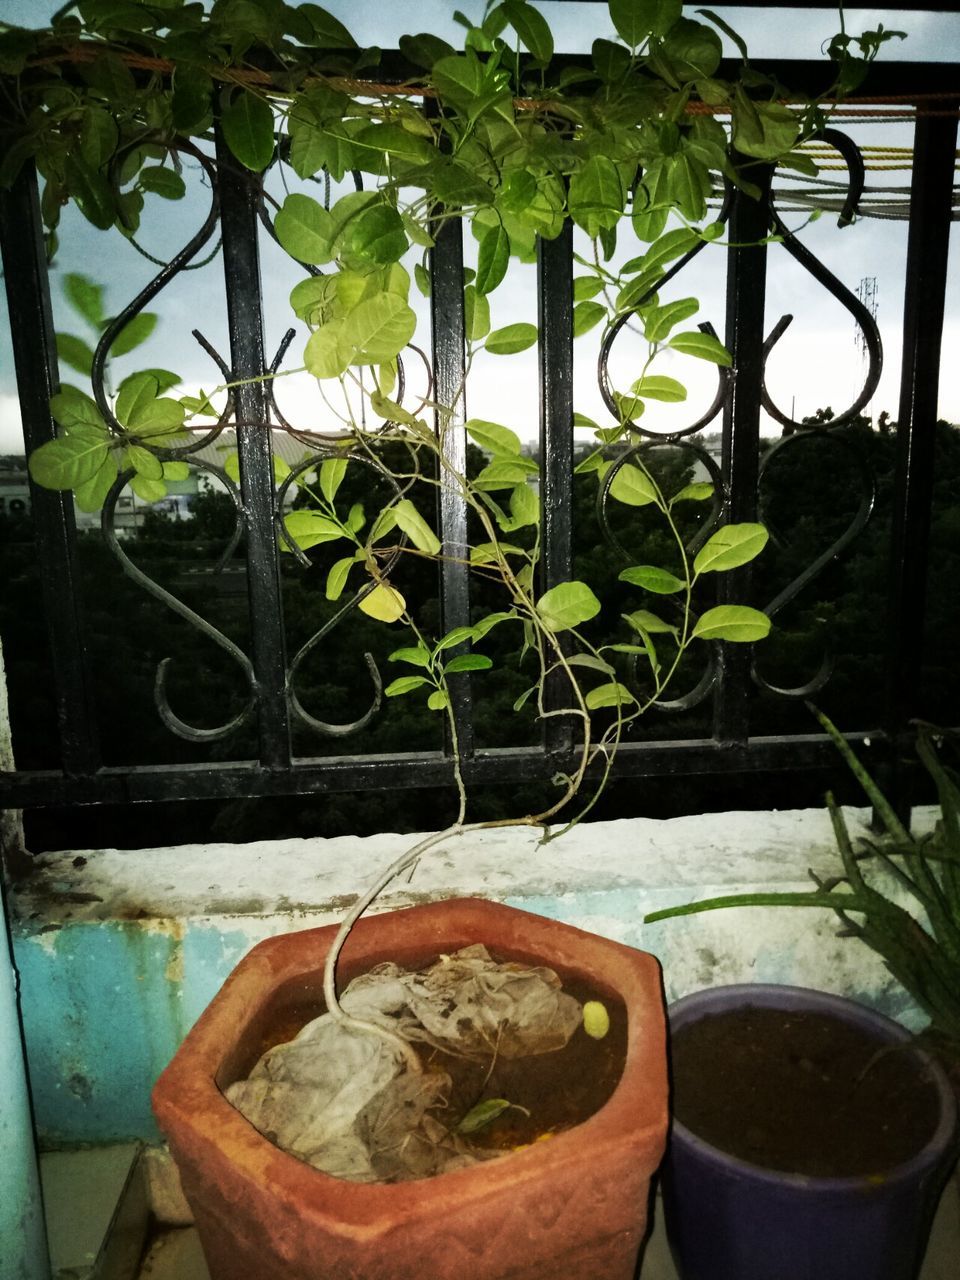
(816, 363)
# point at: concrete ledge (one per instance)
(119, 952)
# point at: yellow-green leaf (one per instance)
(730, 547)
(385, 603)
(736, 622)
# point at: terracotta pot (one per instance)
(573, 1208)
(729, 1219)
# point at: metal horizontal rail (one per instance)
(230, 780)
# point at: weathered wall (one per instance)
(118, 953)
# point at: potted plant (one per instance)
(515, 146)
(854, 1191)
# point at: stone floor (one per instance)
(98, 1218)
(176, 1254)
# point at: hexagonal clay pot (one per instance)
(573, 1208)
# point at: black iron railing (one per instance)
(729, 749)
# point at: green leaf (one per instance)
(85, 296)
(699, 491)
(311, 298)
(166, 378)
(727, 30)
(730, 547)
(633, 487)
(134, 333)
(417, 657)
(524, 507)
(379, 329)
(490, 621)
(505, 473)
(416, 528)
(511, 339)
(517, 192)
(652, 578)
(378, 140)
(72, 408)
(586, 287)
(192, 92)
(491, 552)
(586, 315)
(91, 494)
(438, 700)
(492, 437)
(596, 197)
(404, 684)
(482, 1114)
(657, 386)
(424, 49)
(337, 577)
(310, 529)
(68, 461)
(176, 471)
(248, 129)
(492, 259)
(459, 78)
(764, 130)
(378, 235)
(702, 345)
(468, 662)
(476, 314)
(163, 182)
(637, 19)
(135, 393)
(158, 418)
(422, 277)
(326, 355)
(147, 489)
(693, 50)
(305, 229)
(524, 697)
(332, 471)
(567, 605)
(459, 635)
(144, 462)
(532, 28)
(611, 60)
(91, 191)
(613, 694)
(329, 31)
(674, 244)
(75, 352)
(643, 621)
(658, 321)
(385, 522)
(736, 622)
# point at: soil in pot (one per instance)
(800, 1092)
(548, 1092)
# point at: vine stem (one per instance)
(396, 868)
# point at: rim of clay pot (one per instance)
(698, 1004)
(182, 1090)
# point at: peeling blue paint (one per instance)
(23, 1242)
(107, 1005)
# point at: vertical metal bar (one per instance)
(746, 295)
(241, 265)
(38, 378)
(934, 158)
(555, 352)
(449, 370)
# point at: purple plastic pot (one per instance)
(727, 1219)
